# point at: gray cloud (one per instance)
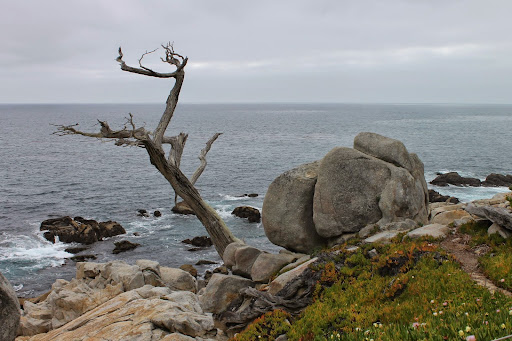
(336, 51)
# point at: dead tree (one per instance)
(153, 142)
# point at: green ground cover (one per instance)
(412, 290)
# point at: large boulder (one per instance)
(378, 181)
(9, 310)
(288, 210)
(355, 188)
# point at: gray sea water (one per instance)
(44, 175)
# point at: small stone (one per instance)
(157, 214)
(373, 253)
(143, 213)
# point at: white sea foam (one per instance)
(228, 197)
(224, 211)
(467, 194)
(33, 251)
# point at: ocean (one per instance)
(44, 175)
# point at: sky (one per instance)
(361, 51)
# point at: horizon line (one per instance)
(255, 103)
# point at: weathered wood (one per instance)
(152, 141)
(293, 298)
(202, 158)
(219, 233)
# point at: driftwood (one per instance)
(152, 141)
(251, 304)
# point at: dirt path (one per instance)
(458, 245)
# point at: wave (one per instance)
(467, 194)
(228, 197)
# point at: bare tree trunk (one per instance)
(220, 234)
(169, 167)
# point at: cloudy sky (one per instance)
(406, 51)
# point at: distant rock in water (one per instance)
(454, 178)
(183, 208)
(9, 310)
(75, 250)
(200, 241)
(143, 213)
(157, 214)
(250, 195)
(496, 180)
(124, 245)
(376, 182)
(82, 258)
(434, 196)
(79, 230)
(251, 213)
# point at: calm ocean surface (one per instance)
(43, 175)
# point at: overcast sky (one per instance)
(408, 51)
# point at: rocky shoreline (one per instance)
(119, 300)
(369, 194)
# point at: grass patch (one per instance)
(497, 263)
(411, 291)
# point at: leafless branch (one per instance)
(202, 158)
(141, 57)
(169, 58)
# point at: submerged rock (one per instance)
(200, 241)
(124, 245)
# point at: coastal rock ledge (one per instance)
(317, 204)
(118, 301)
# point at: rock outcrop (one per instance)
(123, 246)
(454, 178)
(79, 230)
(146, 313)
(250, 213)
(377, 182)
(498, 215)
(96, 284)
(9, 310)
